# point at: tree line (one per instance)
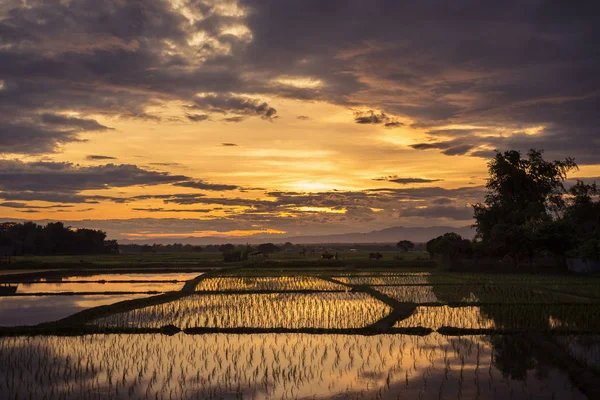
(52, 239)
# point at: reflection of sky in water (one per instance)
(97, 287)
(274, 366)
(168, 276)
(33, 310)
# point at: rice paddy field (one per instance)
(293, 333)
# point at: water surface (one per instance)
(276, 366)
(33, 310)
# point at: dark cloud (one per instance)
(404, 181)
(370, 117)
(61, 182)
(66, 177)
(117, 59)
(94, 157)
(82, 124)
(303, 117)
(197, 117)
(393, 124)
(234, 119)
(206, 186)
(229, 144)
(12, 204)
(510, 67)
(502, 67)
(234, 104)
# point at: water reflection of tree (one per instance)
(515, 355)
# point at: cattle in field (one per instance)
(375, 256)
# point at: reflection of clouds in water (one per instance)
(277, 366)
(175, 276)
(97, 287)
(33, 310)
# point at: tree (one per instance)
(449, 246)
(523, 195)
(224, 248)
(54, 238)
(582, 220)
(405, 245)
(267, 248)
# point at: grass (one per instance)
(211, 259)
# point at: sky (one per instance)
(177, 118)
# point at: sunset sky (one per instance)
(152, 119)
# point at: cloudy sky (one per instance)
(158, 118)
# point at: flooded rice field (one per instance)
(333, 334)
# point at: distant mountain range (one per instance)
(388, 235)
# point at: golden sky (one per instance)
(232, 118)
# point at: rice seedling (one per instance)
(267, 367)
(564, 317)
(411, 294)
(384, 280)
(267, 284)
(315, 310)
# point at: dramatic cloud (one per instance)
(167, 80)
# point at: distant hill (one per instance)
(388, 235)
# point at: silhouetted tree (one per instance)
(522, 195)
(226, 247)
(449, 246)
(267, 248)
(54, 238)
(405, 245)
